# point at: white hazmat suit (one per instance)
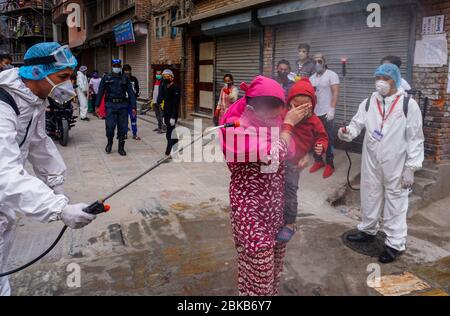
(384, 162)
(82, 90)
(20, 191)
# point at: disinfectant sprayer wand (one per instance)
(99, 207)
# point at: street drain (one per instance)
(372, 249)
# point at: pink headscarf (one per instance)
(254, 145)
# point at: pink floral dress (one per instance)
(257, 208)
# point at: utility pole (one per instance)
(43, 21)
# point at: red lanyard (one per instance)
(382, 113)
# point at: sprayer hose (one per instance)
(348, 172)
(38, 258)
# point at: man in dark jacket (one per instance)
(306, 65)
(135, 85)
(119, 97)
(170, 94)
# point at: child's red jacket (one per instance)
(311, 131)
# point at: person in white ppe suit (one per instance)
(82, 92)
(393, 150)
(23, 94)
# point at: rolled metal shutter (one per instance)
(239, 55)
(137, 57)
(103, 60)
(349, 36)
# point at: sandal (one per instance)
(136, 138)
(285, 234)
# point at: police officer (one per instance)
(119, 95)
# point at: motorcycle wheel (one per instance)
(64, 137)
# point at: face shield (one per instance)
(45, 59)
(63, 57)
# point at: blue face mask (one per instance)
(117, 70)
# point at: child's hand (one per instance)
(303, 163)
(318, 149)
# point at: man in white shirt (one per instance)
(326, 82)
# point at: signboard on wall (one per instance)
(432, 51)
(124, 33)
(433, 25)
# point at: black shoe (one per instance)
(161, 131)
(389, 255)
(156, 129)
(85, 119)
(360, 237)
(122, 151)
(108, 148)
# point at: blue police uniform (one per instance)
(119, 96)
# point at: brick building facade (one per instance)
(433, 83)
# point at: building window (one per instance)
(106, 8)
(160, 26)
(175, 16)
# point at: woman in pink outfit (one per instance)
(228, 95)
(257, 182)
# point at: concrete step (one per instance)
(421, 185)
(415, 204)
(430, 165)
(428, 173)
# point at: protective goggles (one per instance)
(116, 62)
(61, 57)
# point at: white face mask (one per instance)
(117, 70)
(319, 68)
(383, 87)
(62, 92)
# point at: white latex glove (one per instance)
(74, 217)
(172, 122)
(59, 189)
(331, 114)
(407, 179)
(344, 135)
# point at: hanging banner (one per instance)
(4, 30)
(124, 33)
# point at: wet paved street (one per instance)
(169, 234)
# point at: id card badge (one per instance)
(378, 135)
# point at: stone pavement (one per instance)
(169, 234)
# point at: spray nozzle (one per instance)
(235, 125)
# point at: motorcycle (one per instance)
(59, 121)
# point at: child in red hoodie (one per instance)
(308, 135)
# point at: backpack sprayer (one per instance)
(344, 75)
(100, 207)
